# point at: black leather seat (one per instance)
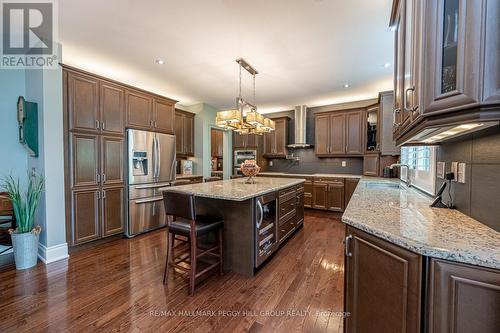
(203, 225)
(188, 225)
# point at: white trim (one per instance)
(52, 253)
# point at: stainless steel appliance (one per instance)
(151, 165)
(240, 156)
(266, 237)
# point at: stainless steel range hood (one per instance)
(300, 128)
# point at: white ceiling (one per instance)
(305, 50)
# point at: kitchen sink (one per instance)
(384, 185)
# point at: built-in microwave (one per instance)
(266, 237)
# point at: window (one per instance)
(421, 160)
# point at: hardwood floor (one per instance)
(117, 286)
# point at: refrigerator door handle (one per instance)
(158, 157)
(155, 171)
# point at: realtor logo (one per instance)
(28, 34)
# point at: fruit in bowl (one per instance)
(250, 169)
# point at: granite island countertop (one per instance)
(402, 216)
(334, 175)
(236, 189)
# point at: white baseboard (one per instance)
(52, 253)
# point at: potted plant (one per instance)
(25, 237)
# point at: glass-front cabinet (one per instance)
(453, 42)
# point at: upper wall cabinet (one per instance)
(275, 142)
(184, 133)
(246, 141)
(149, 113)
(339, 133)
(447, 60)
(83, 105)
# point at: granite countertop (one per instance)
(236, 189)
(336, 175)
(402, 216)
(187, 176)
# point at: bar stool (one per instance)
(212, 179)
(188, 224)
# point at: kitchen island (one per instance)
(258, 217)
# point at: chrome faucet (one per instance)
(408, 179)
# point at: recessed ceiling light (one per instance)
(159, 61)
(387, 64)
(347, 85)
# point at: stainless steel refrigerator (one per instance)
(151, 165)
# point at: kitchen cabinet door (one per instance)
(453, 42)
(354, 133)
(139, 108)
(112, 160)
(252, 141)
(281, 137)
(269, 143)
(220, 143)
(491, 64)
(322, 134)
(463, 298)
(320, 195)
(179, 133)
(398, 69)
(188, 135)
(164, 116)
(382, 285)
(371, 165)
(85, 170)
(112, 110)
(350, 187)
(337, 133)
(85, 221)
(308, 194)
(83, 106)
(335, 198)
(239, 141)
(112, 211)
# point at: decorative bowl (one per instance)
(250, 169)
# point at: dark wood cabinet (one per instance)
(335, 197)
(463, 298)
(85, 208)
(112, 166)
(308, 193)
(275, 142)
(84, 160)
(164, 116)
(184, 133)
(320, 195)
(446, 68)
(113, 209)
(217, 143)
(383, 284)
(328, 194)
(139, 108)
(371, 164)
(350, 187)
(112, 111)
(83, 105)
(339, 133)
(246, 141)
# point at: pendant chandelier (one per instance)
(240, 120)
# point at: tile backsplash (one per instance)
(479, 197)
(310, 163)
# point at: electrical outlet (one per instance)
(344, 164)
(461, 173)
(270, 163)
(454, 169)
(440, 169)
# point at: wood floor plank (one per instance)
(117, 287)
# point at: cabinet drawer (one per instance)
(285, 229)
(287, 209)
(332, 180)
(287, 194)
(300, 189)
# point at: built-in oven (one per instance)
(240, 156)
(266, 217)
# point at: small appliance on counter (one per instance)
(388, 172)
(186, 167)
